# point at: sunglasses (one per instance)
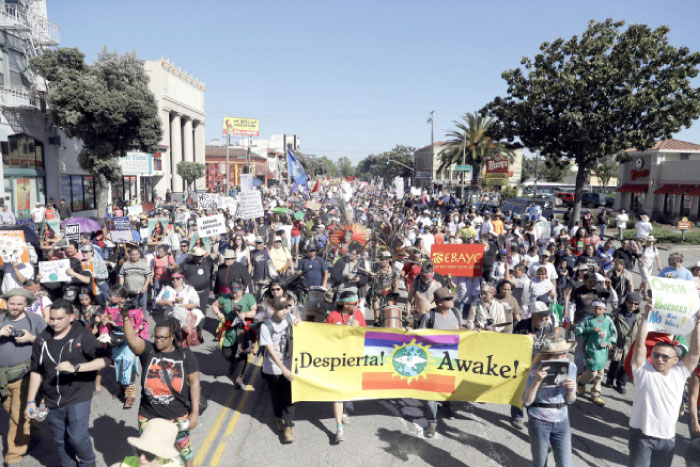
(661, 356)
(150, 457)
(161, 338)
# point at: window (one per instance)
(668, 205)
(685, 205)
(146, 189)
(23, 152)
(17, 64)
(78, 191)
(157, 161)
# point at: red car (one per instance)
(566, 198)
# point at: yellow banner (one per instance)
(241, 126)
(332, 363)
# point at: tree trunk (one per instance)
(476, 175)
(102, 189)
(578, 191)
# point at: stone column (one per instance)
(199, 146)
(176, 151)
(165, 182)
(187, 137)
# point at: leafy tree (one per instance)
(190, 171)
(397, 162)
(345, 167)
(107, 105)
(317, 166)
(606, 169)
(588, 97)
(529, 169)
(479, 145)
(553, 170)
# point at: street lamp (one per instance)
(464, 159)
(389, 159)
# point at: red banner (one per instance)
(460, 260)
(497, 170)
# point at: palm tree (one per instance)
(473, 131)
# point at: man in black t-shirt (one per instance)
(169, 381)
(260, 274)
(198, 270)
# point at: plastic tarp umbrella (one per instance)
(86, 224)
(279, 210)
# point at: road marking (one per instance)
(217, 455)
(223, 413)
(241, 404)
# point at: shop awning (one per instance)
(631, 188)
(695, 191)
(665, 189)
(682, 190)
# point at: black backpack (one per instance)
(431, 319)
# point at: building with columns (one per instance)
(180, 99)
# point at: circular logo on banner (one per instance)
(410, 360)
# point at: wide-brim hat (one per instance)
(198, 251)
(650, 238)
(443, 293)
(644, 218)
(557, 346)
(158, 437)
(229, 254)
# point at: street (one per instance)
(237, 428)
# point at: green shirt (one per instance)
(226, 304)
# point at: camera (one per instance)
(16, 333)
(238, 308)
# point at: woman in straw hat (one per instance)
(643, 227)
(155, 446)
(547, 400)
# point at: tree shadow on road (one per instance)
(109, 438)
(401, 445)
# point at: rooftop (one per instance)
(670, 144)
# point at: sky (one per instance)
(350, 78)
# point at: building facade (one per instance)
(180, 99)
(239, 161)
(662, 182)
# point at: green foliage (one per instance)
(345, 167)
(318, 166)
(107, 105)
(598, 94)
(473, 132)
(529, 169)
(692, 237)
(190, 171)
(553, 171)
(378, 165)
(508, 192)
(606, 169)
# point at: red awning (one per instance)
(631, 188)
(682, 190)
(665, 189)
(695, 191)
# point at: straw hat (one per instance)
(198, 251)
(230, 254)
(158, 437)
(644, 218)
(557, 346)
(650, 238)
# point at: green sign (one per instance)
(463, 168)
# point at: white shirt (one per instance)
(621, 220)
(9, 281)
(38, 214)
(551, 270)
(658, 399)
(643, 229)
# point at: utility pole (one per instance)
(537, 172)
(464, 162)
(432, 146)
(228, 176)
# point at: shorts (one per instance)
(182, 441)
(645, 273)
(296, 239)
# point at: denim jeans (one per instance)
(70, 427)
(542, 434)
(647, 451)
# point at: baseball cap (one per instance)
(598, 304)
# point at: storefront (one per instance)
(662, 182)
(24, 173)
(137, 183)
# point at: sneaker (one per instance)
(517, 423)
(620, 389)
(288, 435)
(346, 419)
(129, 402)
(581, 389)
(279, 425)
(430, 430)
(598, 401)
(339, 437)
(239, 383)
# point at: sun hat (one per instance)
(541, 307)
(557, 346)
(229, 254)
(22, 292)
(198, 251)
(385, 254)
(158, 437)
(278, 239)
(633, 297)
(442, 293)
(644, 218)
(650, 238)
(259, 239)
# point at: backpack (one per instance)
(431, 319)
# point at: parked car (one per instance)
(609, 202)
(567, 198)
(593, 200)
(519, 206)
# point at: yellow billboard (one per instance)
(241, 126)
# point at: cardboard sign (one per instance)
(460, 260)
(227, 203)
(543, 229)
(72, 232)
(399, 186)
(122, 230)
(415, 191)
(675, 306)
(13, 247)
(133, 211)
(250, 205)
(211, 226)
(246, 182)
(54, 271)
(207, 200)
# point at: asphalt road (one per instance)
(237, 428)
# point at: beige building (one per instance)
(427, 172)
(180, 99)
(662, 182)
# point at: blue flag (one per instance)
(296, 171)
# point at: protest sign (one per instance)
(543, 228)
(122, 230)
(415, 191)
(250, 205)
(460, 260)
(158, 229)
(675, 306)
(313, 205)
(50, 230)
(135, 210)
(210, 226)
(246, 182)
(54, 271)
(13, 247)
(227, 203)
(398, 186)
(332, 363)
(72, 232)
(207, 200)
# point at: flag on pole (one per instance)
(295, 169)
(317, 186)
